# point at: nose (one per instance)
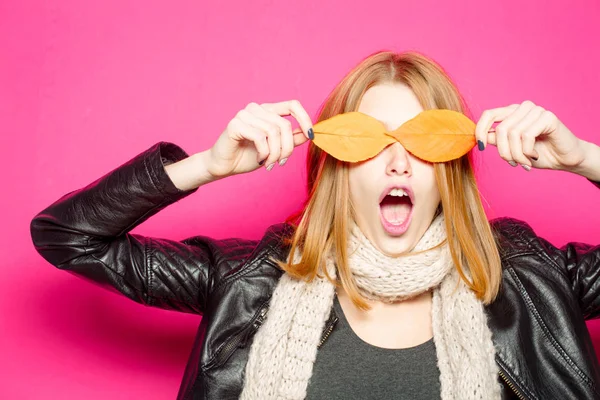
(398, 161)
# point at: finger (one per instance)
(274, 140)
(502, 142)
(533, 131)
(512, 150)
(252, 134)
(487, 119)
(528, 140)
(271, 131)
(504, 147)
(491, 137)
(295, 109)
(287, 147)
(516, 148)
(285, 128)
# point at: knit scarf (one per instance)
(284, 349)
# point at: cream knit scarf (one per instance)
(285, 347)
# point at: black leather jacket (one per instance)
(544, 350)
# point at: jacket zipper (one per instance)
(512, 386)
(261, 318)
(327, 332)
(226, 350)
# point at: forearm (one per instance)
(191, 172)
(114, 203)
(590, 167)
(87, 232)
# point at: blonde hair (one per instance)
(322, 224)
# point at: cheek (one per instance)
(427, 181)
(358, 190)
(362, 185)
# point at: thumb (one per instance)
(299, 137)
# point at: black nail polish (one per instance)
(311, 134)
(262, 162)
(480, 145)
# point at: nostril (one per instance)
(396, 170)
(398, 162)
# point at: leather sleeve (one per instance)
(86, 232)
(578, 262)
(581, 261)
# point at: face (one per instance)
(393, 223)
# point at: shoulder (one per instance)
(274, 241)
(231, 255)
(519, 244)
(509, 227)
(237, 247)
(514, 236)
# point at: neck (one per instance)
(394, 325)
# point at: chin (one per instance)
(394, 246)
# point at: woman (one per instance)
(431, 300)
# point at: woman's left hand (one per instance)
(531, 136)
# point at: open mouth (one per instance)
(396, 211)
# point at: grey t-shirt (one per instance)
(349, 368)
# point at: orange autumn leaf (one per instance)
(433, 135)
(351, 136)
(437, 135)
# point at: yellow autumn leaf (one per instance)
(351, 136)
(437, 135)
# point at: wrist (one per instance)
(202, 162)
(590, 165)
(190, 172)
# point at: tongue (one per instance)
(395, 212)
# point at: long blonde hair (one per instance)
(322, 223)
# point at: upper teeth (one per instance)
(397, 192)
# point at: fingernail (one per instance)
(262, 162)
(480, 145)
(281, 162)
(526, 167)
(270, 167)
(512, 163)
(311, 134)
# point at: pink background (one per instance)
(85, 86)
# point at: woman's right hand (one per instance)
(259, 135)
